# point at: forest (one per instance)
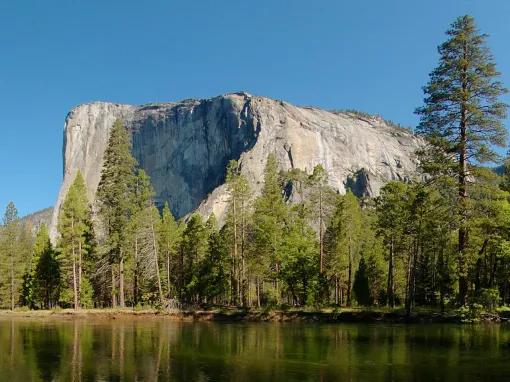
(438, 240)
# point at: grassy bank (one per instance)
(351, 315)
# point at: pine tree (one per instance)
(194, 249)
(392, 219)
(114, 199)
(29, 295)
(462, 117)
(237, 224)
(169, 236)
(344, 236)
(75, 229)
(11, 257)
(299, 261)
(322, 199)
(268, 225)
(212, 270)
(46, 272)
(361, 284)
(144, 235)
(372, 252)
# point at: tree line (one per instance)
(441, 239)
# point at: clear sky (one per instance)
(369, 55)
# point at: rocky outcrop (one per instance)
(34, 220)
(186, 146)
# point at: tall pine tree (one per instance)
(75, 229)
(462, 117)
(114, 199)
(268, 226)
(11, 257)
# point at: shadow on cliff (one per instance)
(185, 147)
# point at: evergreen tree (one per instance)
(361, 285)
(299, 261)
(268, 225)
(11, 257)
(75, 229)
(344, 236)
(462, 118)
(194, 249)
(237, 229)
(392, 210)
(170, 237)
(322, 200)
(212, 269)
(145, 228)
(372, 253)
(114, 199)
(30, 295)
(46, 273)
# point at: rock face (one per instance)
(185, 146)
(36, 219)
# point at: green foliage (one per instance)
(462, 119)
(236, 230)
(47, 279)
(343, 242)
(464, 85)
(76, 236)
(212, 268)
(299, 261)
(268, 224)
(41, 281)
(12, 258)
(115, 204)
(169, 241)
(489, 299)
(361, 285)
(195, 246)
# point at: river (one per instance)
(158, 349)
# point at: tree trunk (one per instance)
(156, 262)
(349, 275)
(12, 280)
(243, 270)
(409, 282)
(75, 283)
(336, 290)
(114, 300)
(321, 235)
(277, 286)
(462, 184)
(181, 286)
(258, 291)
(168, 274)
(235, 271)
(79, 273)
(390, 291)
(121, 281)
(135, 276)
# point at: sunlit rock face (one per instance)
(185, 147)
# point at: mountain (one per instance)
(185, 146)
(35, 219)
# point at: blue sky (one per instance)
(369, 55)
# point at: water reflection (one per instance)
(153, 349)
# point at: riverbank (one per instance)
(252, 315)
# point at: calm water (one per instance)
(158, 349)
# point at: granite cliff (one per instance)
(185, 146)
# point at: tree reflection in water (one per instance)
(151, 349)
